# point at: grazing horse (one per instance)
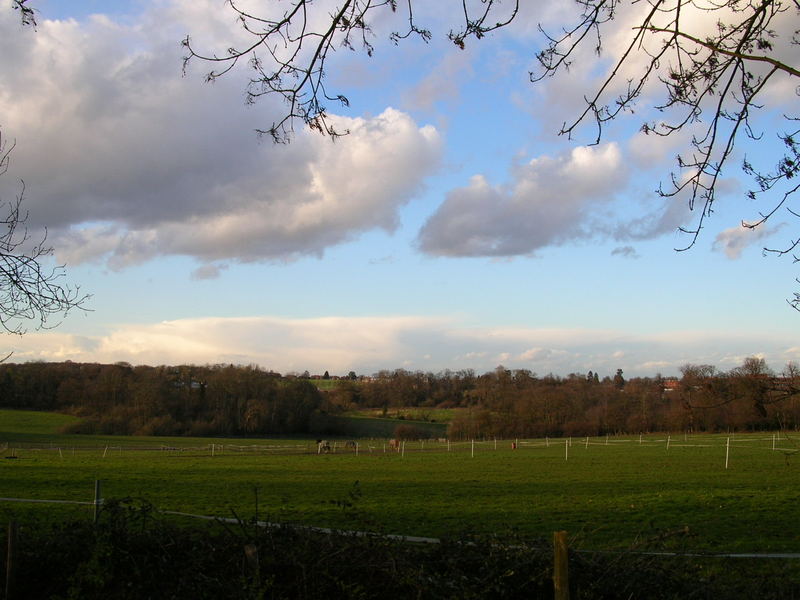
(394, 445)
(323, 446)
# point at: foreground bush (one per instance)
(132, 554)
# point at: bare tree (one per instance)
(30, 290)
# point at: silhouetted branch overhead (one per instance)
(30, 290)
(704, 67)
(288, 51)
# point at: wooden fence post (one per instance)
(252, 561)
(560, 566)
(10, 558)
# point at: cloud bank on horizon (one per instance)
(368, 344)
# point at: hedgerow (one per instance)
(133, 553)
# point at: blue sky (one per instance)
(452, 229)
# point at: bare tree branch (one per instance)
(712, 84)
(26, 14)
(30, 291)
(288, 55)
(712, 87)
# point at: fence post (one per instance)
(252, 561)
(560, 566)
(727, 451)
(98, 499)
(10, 559)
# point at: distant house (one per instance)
(671, 384)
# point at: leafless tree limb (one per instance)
(287, 55)
(30, 291)
(26, 13)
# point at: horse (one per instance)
(394, 445)
(323, 446)
(350, 444)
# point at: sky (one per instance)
(451, 229)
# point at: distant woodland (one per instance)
(246, 400)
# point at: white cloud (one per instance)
(338, 344)
(625, 252)
(442, 83)
(550, 202)
(370, 344)
(141, 162)
(734, 240)
(209, 271)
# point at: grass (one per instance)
(25, 424)
(432, 415)
(607, 495)
(326, 385)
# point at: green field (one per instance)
(325, 385)
(608, 494)
(431, 415)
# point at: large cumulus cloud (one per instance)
(549, 202)
(125, 160)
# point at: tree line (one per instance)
(509, 403)
(165, 400)
(247, 400)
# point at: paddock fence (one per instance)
(96, 504)
(560, 545)
(727, 444)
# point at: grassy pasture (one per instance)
(372, 427)
(326, 385)
(412, 413)
(607, 494)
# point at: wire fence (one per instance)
(98, 501)
(775, 442)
